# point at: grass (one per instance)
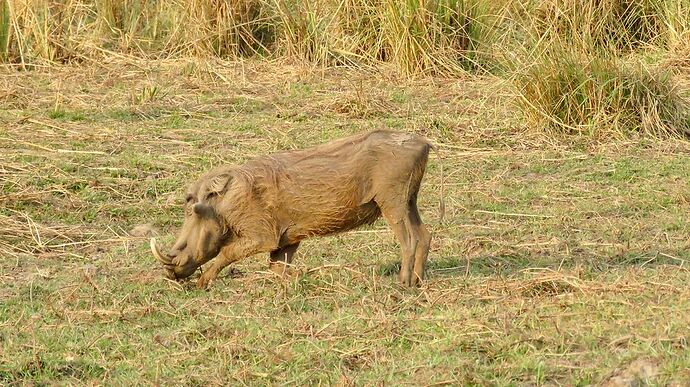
(620, 24)
(416, 36)
(599, 68)
(598, 96)
(558, 262)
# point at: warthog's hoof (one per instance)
(205, 280)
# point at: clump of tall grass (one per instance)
(613, 25)
(63, 31)
(575, 72)
(309, 31)
(417, 36)
(565, 91)
(445, 34)
(227, 29)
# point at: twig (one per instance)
(33, 121)
(514, 214)
(53, 150)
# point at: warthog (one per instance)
(270, 204)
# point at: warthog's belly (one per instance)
(359, 216)
(332, 221)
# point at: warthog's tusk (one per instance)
(157, 254)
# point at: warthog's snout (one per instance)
(172, 270)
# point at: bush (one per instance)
(565, 91)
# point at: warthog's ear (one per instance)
(218, 184)
(203, 210)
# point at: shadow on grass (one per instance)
(40, 370)
(488, 265)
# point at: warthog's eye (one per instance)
(211, 195)
(189, 198)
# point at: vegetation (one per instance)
(416, 35)
(587, 71)
(562, 257)
(568, 92)
(592, 53)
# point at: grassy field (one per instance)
(561, 260)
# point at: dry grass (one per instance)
(556, 263)
(415, 36)
(607, 69)
(602, 97)
(602, 69)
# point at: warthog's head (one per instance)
(204, 231)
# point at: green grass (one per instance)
(558, 262)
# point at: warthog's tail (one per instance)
(442, 196)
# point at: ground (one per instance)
(560, 261)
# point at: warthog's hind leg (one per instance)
(423, 236)
(414, 240)
(396, 218)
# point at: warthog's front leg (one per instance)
(232, 253)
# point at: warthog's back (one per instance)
(333, 187)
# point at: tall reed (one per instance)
(417, 36)
(4, 29)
